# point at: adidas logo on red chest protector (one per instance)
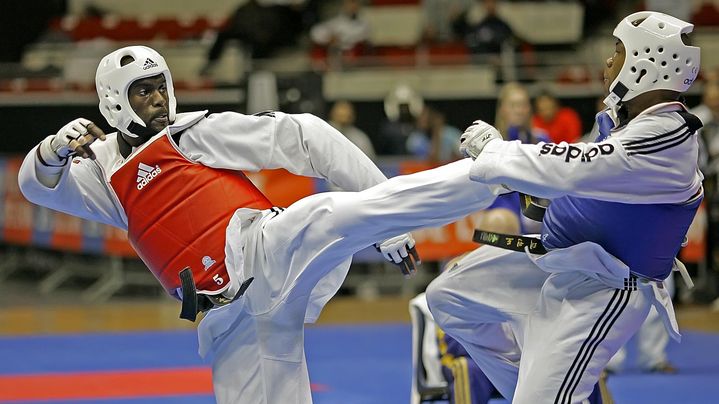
(145, 174)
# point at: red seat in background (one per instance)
(131, 29)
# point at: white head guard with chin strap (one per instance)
(656, 57)
(113, 80)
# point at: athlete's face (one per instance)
(148, 98)
(614, 65)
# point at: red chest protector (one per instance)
(177, 212)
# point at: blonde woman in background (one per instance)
(514, 115)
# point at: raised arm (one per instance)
(76, 188)
(648, 164)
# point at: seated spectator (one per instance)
(561, 123)
(342, 118)
(262, 26)
(402, 106)
(488, 35)
(344, 31)
(434, 139)
(440, 19)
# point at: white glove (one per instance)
(401, 252)
(75, 138)
(476, 137)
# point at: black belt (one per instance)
(194, 303)
(510, 242)
(535, 246)
(533, 207)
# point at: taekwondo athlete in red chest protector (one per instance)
(174, 181)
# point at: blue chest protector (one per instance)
(646, 237)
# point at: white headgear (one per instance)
(402, 95)
(656, 57)
(113, 81)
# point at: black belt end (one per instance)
(189, 295)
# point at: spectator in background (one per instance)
(342, 118)
(440, 19)
(262, 26)
(487, 35)
(402, 107)
(344, 31)
(434, 139)
(514, 115)
(562, 124)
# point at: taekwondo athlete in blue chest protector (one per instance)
(619, 212)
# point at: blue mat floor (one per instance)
(368, 364)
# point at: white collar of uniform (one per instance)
(185, 120)
(182, 122)
(663, 107)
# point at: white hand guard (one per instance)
(60, 143)
(475, 137)
(400, 251)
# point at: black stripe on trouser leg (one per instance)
(584, 346)
(592, 346)
(606, 331)
(584, 360)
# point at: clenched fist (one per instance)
(475, 137)
(400, 251)
(75, 138)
